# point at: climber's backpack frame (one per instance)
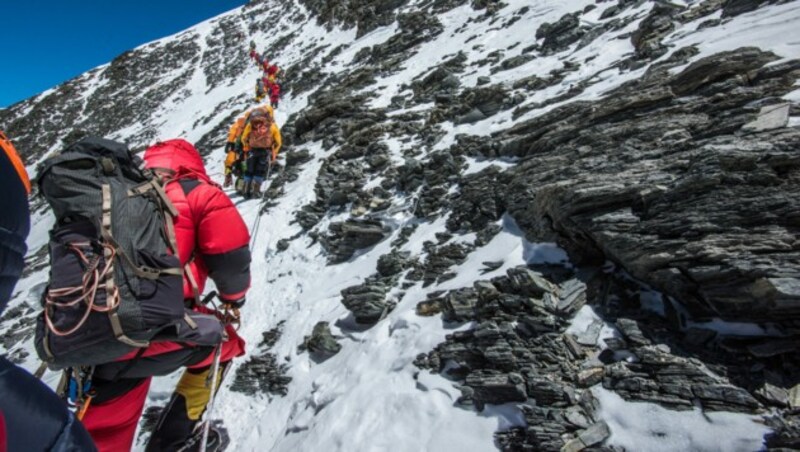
(116, 283)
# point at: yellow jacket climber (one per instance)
(232, 153)
(274, 130)
(261, 141)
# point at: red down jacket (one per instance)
(210, 232)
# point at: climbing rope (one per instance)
(86, 291)
(257, 221)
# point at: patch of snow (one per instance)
(587, 318)
(647, 426)
(475, 165)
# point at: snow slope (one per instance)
(370, 396)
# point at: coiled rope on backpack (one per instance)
(86, 292)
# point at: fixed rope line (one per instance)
(257, 222)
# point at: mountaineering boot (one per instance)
(218, 438)
(240, 186)
(228, 180)
(256, 190)
(181, 417)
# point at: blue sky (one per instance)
(46, 42)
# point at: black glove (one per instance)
(230, 147)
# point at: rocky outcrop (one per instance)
(561, 34)
(344, 239)
(321, 344)
(262, 373)
(368, 301)
(647, 38)
(474, 104)
(520, 351)
(436, 267)
(662, 179)
(366, 15)
(736, 7)
(479, 203)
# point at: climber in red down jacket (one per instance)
(213, 239)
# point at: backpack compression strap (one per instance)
(113, 317)
(170, 213)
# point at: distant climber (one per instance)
(261, 90)
(261, 141)
(32, 417)
(212, 241)
(272, 71)
(233, 152)
(274, 94)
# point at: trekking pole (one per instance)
(213, 398)
(264, 193)
(211, 381)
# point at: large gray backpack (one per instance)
(115, 281)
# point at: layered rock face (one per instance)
(686, 178)
(668, 179)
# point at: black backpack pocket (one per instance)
(74, 326)
(160, 299)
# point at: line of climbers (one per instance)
(254, 141)
(131, 250)
(267, 84)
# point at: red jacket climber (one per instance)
(272, 71)
(213, 239)
(274, 94)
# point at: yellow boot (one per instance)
(181, 416)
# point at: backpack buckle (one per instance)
(108, 165)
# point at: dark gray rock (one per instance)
(561, 34)
(513, 62)
(736, 7)
(593, 435)
(321, 343)
(393, 263)
(439, 261)
(459, 305)
(367, 301)
(496, 388)
(479, 202)
(262, 373)
(647, 38)
(366, 15)
(344, 239)
(297, 157)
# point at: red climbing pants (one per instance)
(121, 387)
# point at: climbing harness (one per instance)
(76, 389)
